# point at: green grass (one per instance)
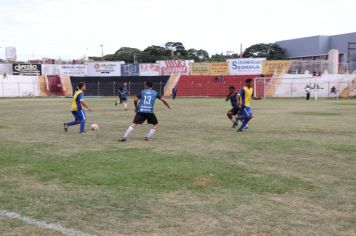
(292, 172)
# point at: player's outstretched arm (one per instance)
(136, 102)
(85, 105)
(165, 103)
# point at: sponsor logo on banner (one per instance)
(26, 69)
(199, 68)
(104, 69)
(130, 70)
(174, 66)
(275, 67)
(219, 68)
(149, 69)
(247, 66)
(73, 70)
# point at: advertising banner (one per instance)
(50, 69)
(73, 70)
(219, 68)
(275, 67)
(26, 69)
(202, 68)
(174, 66)
(130, 70)
(109, 68)
(149, 69)
(245, 66)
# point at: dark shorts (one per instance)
(123, 99)
(234, 111)
(141, 117)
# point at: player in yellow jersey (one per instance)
(245, 96)
(77, 111)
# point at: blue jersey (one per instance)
(147, 100)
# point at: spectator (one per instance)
(333, 90)
(307, 90)
(174, 92)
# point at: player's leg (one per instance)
(247, 116)
(139, 119)
(71, 123)
(82, 117)
(151, 119)
(125, 105)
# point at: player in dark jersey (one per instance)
(233, 113)
(144, 111)
(123, 96)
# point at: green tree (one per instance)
(153, 53)
(271, 51)
(126, 54)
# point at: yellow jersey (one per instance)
(246, 95)
(78, 96)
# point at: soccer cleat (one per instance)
(115, 103)
(65, 125)
(148, 139)
(122, 140)
(235, 124)
(239, 130)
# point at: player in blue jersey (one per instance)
(245, 96)
(77, 110)
(233, 113)
(123, 96)
(144, 111)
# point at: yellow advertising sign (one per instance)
(199, 68)
(275, 67)
(219, 68)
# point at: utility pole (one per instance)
(102, 51)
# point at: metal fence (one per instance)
(112, 88)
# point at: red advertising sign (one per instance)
(174, 67)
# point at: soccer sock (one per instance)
(128, 131)
(244, 124)
(74, 122)
(151, 133)
(234, 119)
(125, 105)
(82, 126)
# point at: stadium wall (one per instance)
(108, 86)
(292, 85)
(210, 86)
(19, 86)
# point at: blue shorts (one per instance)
(246, 112)
(79, 115)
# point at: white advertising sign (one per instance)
(109, 68)
(245, 66)
(73, 70)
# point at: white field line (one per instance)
(42, 224)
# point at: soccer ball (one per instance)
(94, 127)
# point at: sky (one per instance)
(72, 29)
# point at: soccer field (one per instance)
(293, 172)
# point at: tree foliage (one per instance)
(176, 50)
(271, 51)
